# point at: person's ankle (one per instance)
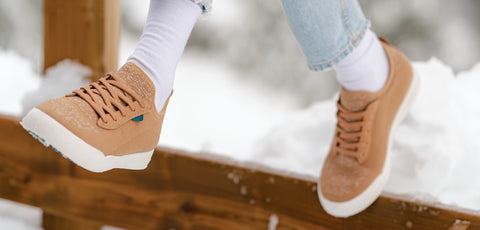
(163, 90)
(366, 68)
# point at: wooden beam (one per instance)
(53, 222)
(84, 30)
(189, 191)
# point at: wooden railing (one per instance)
(187, 191)
(178, 190)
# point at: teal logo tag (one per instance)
(139, 118)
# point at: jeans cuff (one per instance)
(352, 44)
(206, 5)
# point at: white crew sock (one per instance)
(366, 68)
(164, 37)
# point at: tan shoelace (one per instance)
(109, 95)
(350, 134)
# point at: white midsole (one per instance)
(369, 195)
(51, 133)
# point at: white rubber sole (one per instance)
(53, 134)
(367, 197)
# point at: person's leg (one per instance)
(335, 34)
(116, 122)
(165, 35)
(377, 87)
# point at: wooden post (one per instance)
(87, 31)
(83, 30)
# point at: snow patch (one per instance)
(435, 150)
(235, 176)
(18, 77)
(59, 80)
(272, 225)
(16, 216)
(243, 190)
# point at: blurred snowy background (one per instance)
(243, 83)
(253, 38)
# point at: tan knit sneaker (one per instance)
(358, 165)
(113, 123)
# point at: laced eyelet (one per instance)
(113, 93)
(104, 121)
(352, 126)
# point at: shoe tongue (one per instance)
(137, 80)
(356, 101)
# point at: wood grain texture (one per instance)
(51, 222)
(87, 31)
(188, 191)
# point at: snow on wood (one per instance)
(183, 191)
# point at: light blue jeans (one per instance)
(327, 30)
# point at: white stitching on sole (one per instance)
(78, 151)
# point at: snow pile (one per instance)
(435, 152)
(17, 77)
(15, 216)
(59, 80)
(23, 88)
